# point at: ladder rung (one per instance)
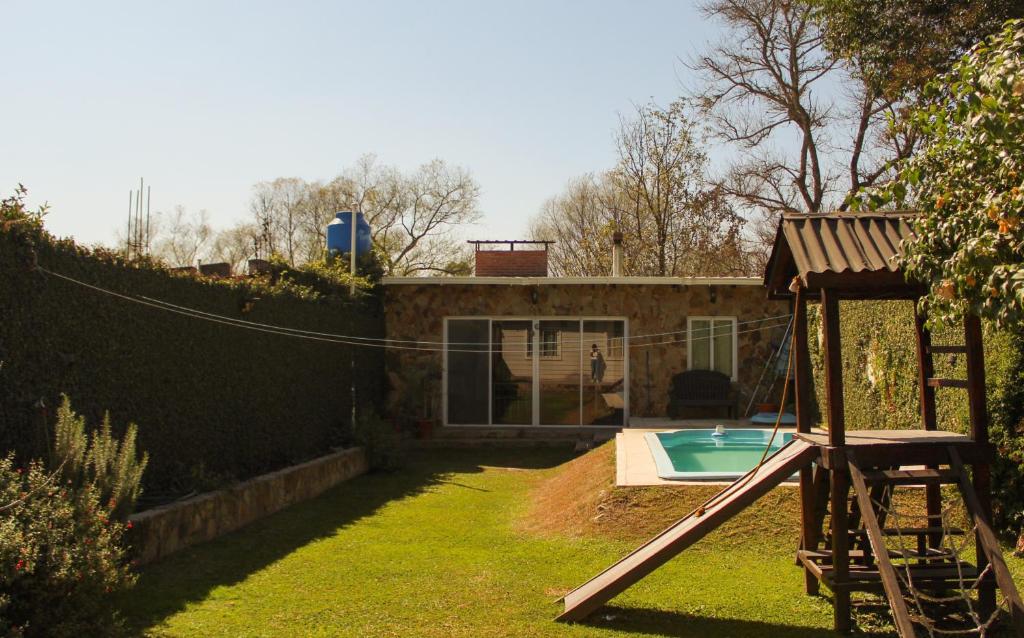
(912, 531)
(824, 556)
(947, 383)
(947, 349)
(913, 477)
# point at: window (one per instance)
(550, 344)
(711, 344)
(615, 349)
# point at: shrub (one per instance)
(98, 460)
(382, 441)
(61, 556)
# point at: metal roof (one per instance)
(844, 251)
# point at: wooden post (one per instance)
(926, 397)
(802, 393)
(833, 368)
(839, 495)
(801, 364)
(925, 371)
(840, 483)
(979, 433)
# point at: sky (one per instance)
(205, 99)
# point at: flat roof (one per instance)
(571, 281)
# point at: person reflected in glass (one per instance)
(597, 365)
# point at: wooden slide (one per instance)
(585, 599)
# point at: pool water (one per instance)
(700, 454)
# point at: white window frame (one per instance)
(711, 350)
(490, 319)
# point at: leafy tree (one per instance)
(967, 181)
(900, 46)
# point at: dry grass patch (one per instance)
(580, 499)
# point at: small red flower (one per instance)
(129, 525)
(19, 565)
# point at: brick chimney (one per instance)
(513, 261)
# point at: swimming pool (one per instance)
(705, 455)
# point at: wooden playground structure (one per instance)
(866, 546)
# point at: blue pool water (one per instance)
(700, 454)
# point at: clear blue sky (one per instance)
(205, 99)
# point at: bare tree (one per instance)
(413, 217)
(674, 220)
(235, 245)
(277, 209)
(580, 221)
(770, 92)
(181, 237)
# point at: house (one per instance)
(515, 347)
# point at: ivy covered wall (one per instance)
(881, 390)
(214, 403)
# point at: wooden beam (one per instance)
(978, 413)
(925, 371)
(890, 581)
(802, 365)
(808, 537)
(976, 379)
(833, 368)
(946, 383)
(839, 492)
(989, 544)
(926, 398)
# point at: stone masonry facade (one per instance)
(416, 312)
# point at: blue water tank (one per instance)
(339, 234)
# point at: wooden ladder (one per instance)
(956, 474)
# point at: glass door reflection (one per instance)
(603, 379)
(558, 376)
(512, 372)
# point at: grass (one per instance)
(438, 549)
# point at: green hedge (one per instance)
(214, 403)
(881, 390)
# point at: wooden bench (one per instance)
(701, 389)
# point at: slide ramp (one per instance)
(588, 597)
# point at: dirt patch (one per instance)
(580, 499)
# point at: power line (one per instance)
(481, 348)
(421, 342)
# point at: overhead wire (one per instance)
(438, 343)
(432, 346)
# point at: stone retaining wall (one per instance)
(164, 530)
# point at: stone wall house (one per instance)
(549, 351)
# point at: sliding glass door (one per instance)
(467, 373)
(559, 372)
(604, 374)
(512, 373)
(534, 371)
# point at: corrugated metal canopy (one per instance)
(853, 253)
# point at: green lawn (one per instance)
(433, 550)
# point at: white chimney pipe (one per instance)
(616, 254)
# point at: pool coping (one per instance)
(635, 465)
